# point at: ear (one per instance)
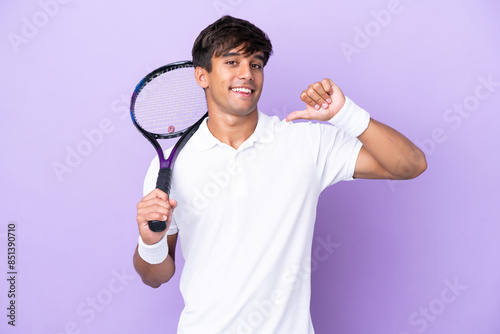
(201, 77)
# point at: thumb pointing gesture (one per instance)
(323, 100)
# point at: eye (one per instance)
(231, 62)
(257, 66)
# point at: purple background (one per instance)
(400, 244)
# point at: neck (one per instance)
(232, 130)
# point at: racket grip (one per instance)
(162, 183)
(164, 179)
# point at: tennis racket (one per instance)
(168, 103)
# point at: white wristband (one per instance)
(154, 254)
(351, 118)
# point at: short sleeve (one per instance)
(335, 154)
(151, 176)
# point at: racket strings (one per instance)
(170, 102)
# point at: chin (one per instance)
(244, 112)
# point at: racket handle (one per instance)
(162, 183)
(164, 179)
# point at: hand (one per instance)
(154, 206)
(324, 99)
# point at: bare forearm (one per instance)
(154, 275)
(153, 267)
(393, 151)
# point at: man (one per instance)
(246, 186)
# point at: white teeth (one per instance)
(243, 90)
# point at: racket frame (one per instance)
(166, 165)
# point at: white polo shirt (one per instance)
(245, 220)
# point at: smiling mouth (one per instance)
(242, 90)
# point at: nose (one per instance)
(245, 71)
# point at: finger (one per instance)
(154, 216)
(323, 90)
(315, 96)
(144, 204)
(338, 98)
(155, 209)
(314, 93)
(299, 114)
(310, 98)
(173, 203)
(159, 208)
(156, 193)
(304, 96)
(169, 218)
(328, 87)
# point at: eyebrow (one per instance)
(233, 54)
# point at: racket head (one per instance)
(168, 101)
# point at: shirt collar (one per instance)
(203, 139)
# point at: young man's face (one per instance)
(235, 83)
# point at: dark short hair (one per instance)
(226, 34)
